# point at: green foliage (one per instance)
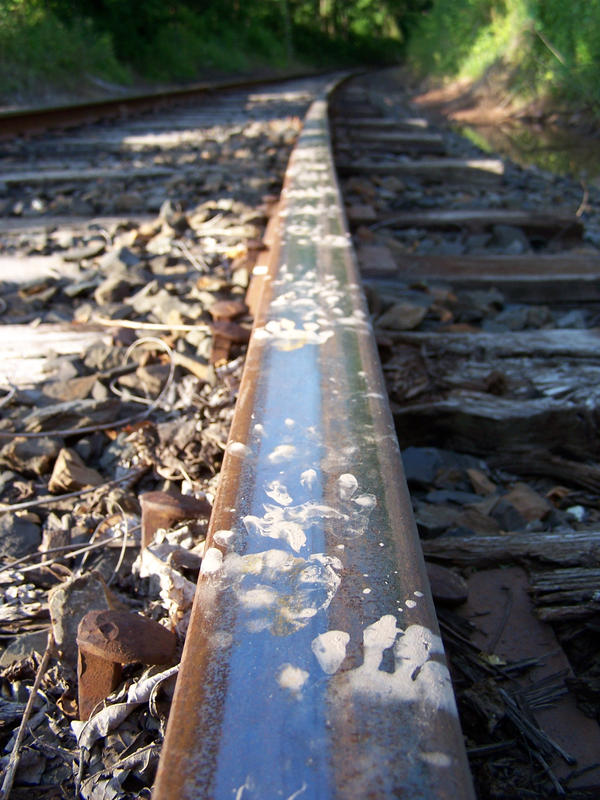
(546, 45)
(320, 49)
(35, 45)
(187, 44)
(58, 41)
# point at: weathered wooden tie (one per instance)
(436, 170)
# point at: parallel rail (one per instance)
(313, 665)
(37, 119)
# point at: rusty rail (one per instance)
(313, 666)
(44, 118)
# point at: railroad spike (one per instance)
(162, 509)
(106, 640)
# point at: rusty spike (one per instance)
(225, 332)
(97, 678)
(161, 510)
(230, 330)
(228, 309)
(106, 640)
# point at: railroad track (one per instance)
(313, 664)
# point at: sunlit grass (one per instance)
(549, 47)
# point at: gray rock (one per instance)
(511, 319)
(128, 201)
(452, 496)
(84, 448)
(539, 316)
(447, 586)
(101, 357)
(477, 242)
(402, 316)
(30, 456)
(240, 277)
(509, 240)
(74, 388)
(154, 200)
(421, 465)
(162, 305)
(424, 466)
(452, 247)
(82, 287)
(100, 392)
(114, 452)
(479, 304)
(23, 646)
(507, 516)
(149, 379)
(433, 520)
(115, 311)
(115, 288)
(68, 603)
(160, 265)
(6, 478)
(74, 414)
(173, 215)
(94, 247)
(19, 535)
(572, 319)
(118, 260)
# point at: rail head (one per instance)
(313, 665)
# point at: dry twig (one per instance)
(15, 755)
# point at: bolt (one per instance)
(108, 639)
(161, 510)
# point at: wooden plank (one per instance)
(559, 342)
(59, 175)
(23, 269)
(561, 278)
(345, 149)
(545, 221)
(566, 594)
(386, 123)
(474, 422)
(451, 267)
(25, 351)
(508, 625)
(392, 142)
(397, 137)
(456, 170)
(544, 463)
(573, 381)
(567, 548)
(14, 225)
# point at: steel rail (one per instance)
(43, 118)
(313, 666)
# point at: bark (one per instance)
(576, 548)
(481, 423)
